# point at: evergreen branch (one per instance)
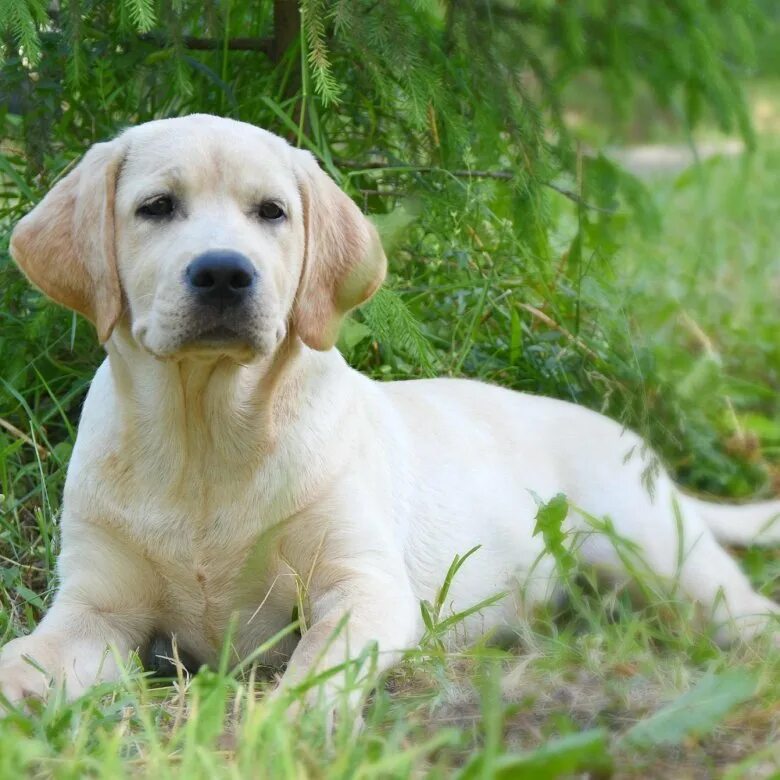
(313, 20)
(142, 14)
(390, 321)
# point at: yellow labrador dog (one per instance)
(230, 463)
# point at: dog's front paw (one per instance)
(31, 665)
(22, 674)
(335, 708)
(20, 681)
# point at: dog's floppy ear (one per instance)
(65, 245)
(344, 262)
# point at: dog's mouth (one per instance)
(239, 338)
(215, 339)
(219, 335)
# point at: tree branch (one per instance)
(463, 174)
(287, 26)
(264, 45)
(502, 175)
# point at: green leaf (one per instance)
(352, 333)
(698, 711)
(29, 596)
(459, 617)
(587, 751)
(455, 566)
(9, 575)
(549, 523)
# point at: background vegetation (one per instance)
(483, 139)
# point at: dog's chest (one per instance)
(216, 589)
(214, 550)
(224, 578)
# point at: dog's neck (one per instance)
(193, 406)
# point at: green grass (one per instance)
(682, 327)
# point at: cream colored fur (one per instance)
(209, 482)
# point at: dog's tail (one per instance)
(740, 524)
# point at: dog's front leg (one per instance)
(101, 613)
(346, 619)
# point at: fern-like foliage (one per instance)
(461, 108)
(22, 19)
(142, 14)
(390, 321)
(314, 15)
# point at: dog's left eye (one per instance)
(159, 207)
(270, 211)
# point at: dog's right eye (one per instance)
(159, 207)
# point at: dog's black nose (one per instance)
(221, 277)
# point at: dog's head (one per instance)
(210, 236)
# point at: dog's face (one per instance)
(208, 236)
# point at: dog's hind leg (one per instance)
(631, 529)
